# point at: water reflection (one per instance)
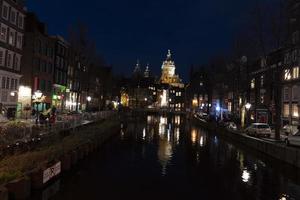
(166, 154)
(198, 137)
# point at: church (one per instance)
(146, 91)
(171, 89)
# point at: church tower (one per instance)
(168, 75)
(147, 72)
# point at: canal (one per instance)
(166, 157)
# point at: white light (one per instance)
(89, 98)
(38, 94)
(245, 176)
(146, 99)
(218, 108)
(248, 106)
(12, 94)
(24, 91)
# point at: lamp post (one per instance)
(247, 106)
(37, 97)
(89, 99)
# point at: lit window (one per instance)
(252, 83)
(295, 110)
(286, 110)
(287, 74)
(295, 72)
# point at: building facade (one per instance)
(37, 64)
(61, 59)
(11, 51)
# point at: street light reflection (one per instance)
(246, 176)
(194, 136)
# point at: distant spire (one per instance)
(169, 56)
(137, 68)
(147, 72)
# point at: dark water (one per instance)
(168, 158)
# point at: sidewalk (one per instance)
(29, 134)
(268, 146)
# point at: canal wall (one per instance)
(287, 154)
(41, 176)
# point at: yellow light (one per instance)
(24, 91)
(194, 136)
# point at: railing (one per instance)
(25, 138)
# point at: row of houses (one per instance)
(32, 61)
(265, 89)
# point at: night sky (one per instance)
(127, 30)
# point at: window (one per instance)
(286, 110)
(36, 64)
(295, 93)
(16, 84)
(38, 46)
(12, 84)
(261, 81)
(21, 21)
(2, 56)
(3, 33)
(50, 68)
(295, 111)
(13, 16)
(3, 82)
(7, 83)
(286, 94)
(295, 72)
(49, 86)
(295, 37)
(294, 56)
(43, 85)
(11, 38)
(19, 40)
(9, 59)
(287, 74)
(43, 66)
(253, 83)
(17, 62)
(5, 9)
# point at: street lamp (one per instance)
(89, 99)
(37, 97)
(247, 106)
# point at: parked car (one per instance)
(293, 139)
(289, 130)
(259, 130)
(231, 126)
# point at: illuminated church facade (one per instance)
(145, 91)
(168, 75)
(171, 87)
